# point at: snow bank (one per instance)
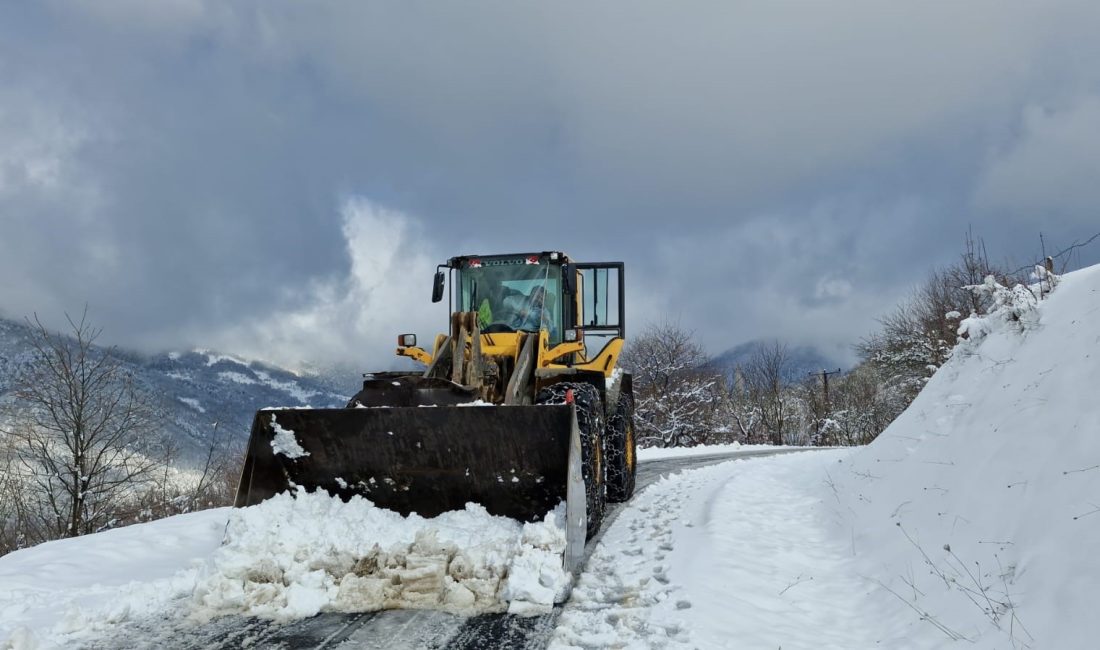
(73, 588)
(979, 507)
(294, 556)
(655, 453)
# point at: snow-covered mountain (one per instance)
(802, 360)
(192, 390)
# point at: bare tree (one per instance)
(80, 431)
(767, 374)
(742, 411)
(676, 396)
(918, 336)
(174, 492)
(10, 504)
(861, 405)
(817, 411)
(212, 488)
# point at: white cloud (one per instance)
(353, 319)
(789, 282)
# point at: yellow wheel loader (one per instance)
(520, 406)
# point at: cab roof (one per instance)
(552, 257)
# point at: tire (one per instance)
(590, 422)
(622, 457)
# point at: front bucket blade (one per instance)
(513, 460)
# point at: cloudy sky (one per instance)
(278, 178)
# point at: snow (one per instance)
(982, 493)
(290, 387)
(656, 453)
(229, 375)
(797, 584)
(293, 556)
(971, 522)
(80, 587)
(213, 358)
(289, 557)
(193, 403)
(732, 555)
(284, 441)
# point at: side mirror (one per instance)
(437, 286)
(406, 340)
(568, 279)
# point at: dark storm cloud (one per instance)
(242, 175)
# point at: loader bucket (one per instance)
(516, 461)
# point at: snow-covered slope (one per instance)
(85, 585)
(979, 507)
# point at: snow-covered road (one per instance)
(735, 555)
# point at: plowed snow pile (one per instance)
(289, 557)
(294, 556)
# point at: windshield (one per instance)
(513, 293)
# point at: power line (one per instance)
(1059, 254)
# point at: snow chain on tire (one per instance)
(590, 422)
(621, 451)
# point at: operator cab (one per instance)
(532, 291)
(512, 293)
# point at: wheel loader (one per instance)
(520, 405)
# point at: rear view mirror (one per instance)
(437, 287)
(568, 279)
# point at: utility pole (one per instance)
(825, 387)
(825, 383)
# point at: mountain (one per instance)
(801, 360)
(193, 390)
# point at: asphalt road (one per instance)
(390, 629)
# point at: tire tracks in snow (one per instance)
(625, 597)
